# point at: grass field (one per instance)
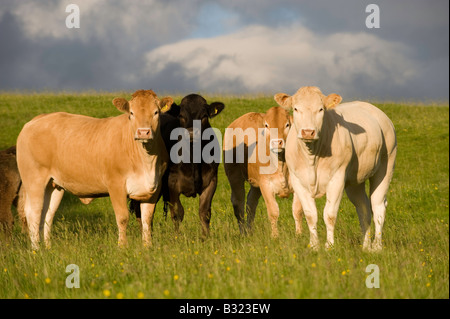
(413, 264)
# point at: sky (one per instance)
(228, 47)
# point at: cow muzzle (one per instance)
(277, 145)
(308, 135)
(143, 135)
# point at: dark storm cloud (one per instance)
(111, 50)
(13, 52)
(49, 63)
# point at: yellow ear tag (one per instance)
(165, 108)
(215, 111)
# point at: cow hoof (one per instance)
(122, 244)
(376, 248)
(147, 244)
(204, 237)
(366, 247)
(313, 247)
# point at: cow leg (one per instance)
(205, 206)
(252, 202)
(335, 191)
(357, 195)
(118, 197)
(147, 213)
(34, 204)
(237, 196)
(310, 210)
(53, 197)
(379, 185)
(6, 217)
(297, 212)
(272, 209)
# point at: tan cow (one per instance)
(118, 156)
(253, 154)
(334, 147)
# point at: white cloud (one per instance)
(262, 59)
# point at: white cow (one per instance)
(334, 147)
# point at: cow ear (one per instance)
(283, 100)
(215, 108)
(121, 104)
(174, 110)
(332, 100)
(166, 104)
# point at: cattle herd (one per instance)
(157, 148)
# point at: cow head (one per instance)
(278, 119)
(309, 105)
(194, 107)
(143, 113)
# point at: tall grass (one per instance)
(413, 264)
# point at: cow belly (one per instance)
(80, 186)
(186, 186)
(367, 158)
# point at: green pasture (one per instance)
(414, 262)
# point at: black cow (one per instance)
(194, 175)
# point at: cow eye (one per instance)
(321, 109)
(287, 124)
(156, 112)
(131, 113)
(266, 125)
(295, 109)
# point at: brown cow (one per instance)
(118, 156)
(247, 142)
(9, 188)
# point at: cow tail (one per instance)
(165, 192)
(166, 209)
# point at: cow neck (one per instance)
(151, 147)
(311, 151)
